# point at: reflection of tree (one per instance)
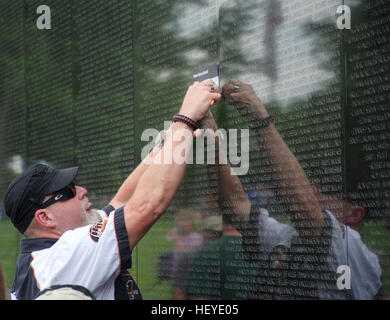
(11, 89)
(320, 124)
(136, 53)
(73, 84)
(362, 97)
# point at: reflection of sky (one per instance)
(299, 71)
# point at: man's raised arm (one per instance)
(160, 180)
(127, 188)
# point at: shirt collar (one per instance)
(30, 245)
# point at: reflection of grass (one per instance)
(9, 249)
(145, 259)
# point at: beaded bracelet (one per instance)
(194, 125)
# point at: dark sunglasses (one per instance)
(64, 194)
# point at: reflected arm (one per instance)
(232, 198)
(292, 183)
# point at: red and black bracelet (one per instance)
(194, 125)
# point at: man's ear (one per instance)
(45, 219)
(355, 216)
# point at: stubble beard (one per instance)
(92, 216)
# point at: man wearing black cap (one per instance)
(63, 248)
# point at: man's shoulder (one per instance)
(29, 245)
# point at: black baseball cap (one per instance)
(27, 191)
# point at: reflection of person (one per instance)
(3, 283)
(212, 228)
(219, 270)
(376, 235)
(187, 240)
(52, 212)
(185, 233)
(303, 257)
